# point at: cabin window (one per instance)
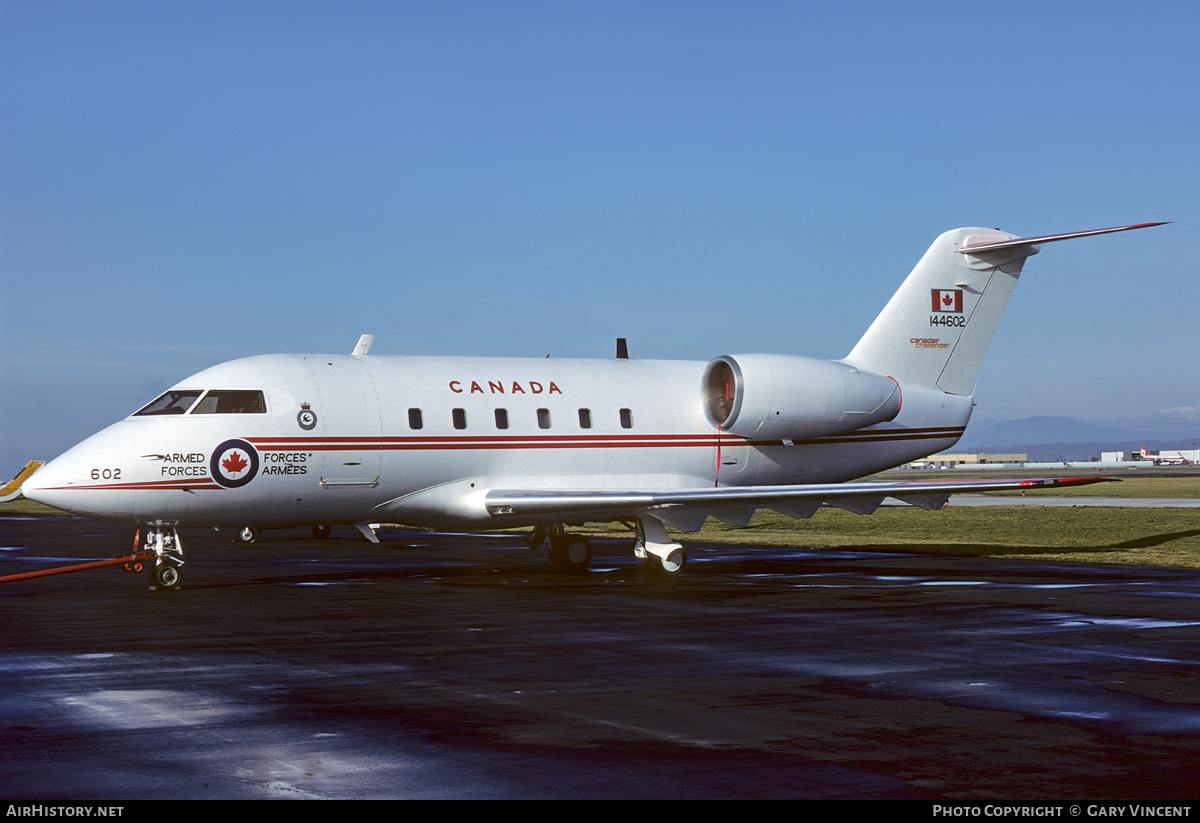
(626, 419)
(414, 419)
(585, 418)
(231, 401)
(502, 418)
(459, 416)
(543, 418)
(172, 402)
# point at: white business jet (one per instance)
(494, 443)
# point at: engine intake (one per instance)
(770, 396)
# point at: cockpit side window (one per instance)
(171, 402)
(232, 401)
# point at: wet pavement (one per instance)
(463, 666)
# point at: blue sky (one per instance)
(185, 183)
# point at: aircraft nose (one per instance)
(51, 484)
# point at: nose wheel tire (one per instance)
(321, 532)
(166, 576)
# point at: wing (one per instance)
(688, 508)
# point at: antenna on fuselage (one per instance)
(364, 344)
(622, 349)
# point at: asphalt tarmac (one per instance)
(458, 666)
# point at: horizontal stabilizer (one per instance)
(1048, 238)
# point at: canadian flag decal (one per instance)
(947, 300)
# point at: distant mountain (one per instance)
(1182, 422)
(1042, 430)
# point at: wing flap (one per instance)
(684, 518)
(801, 510)
(733, 515)
(859, 504)
(933, 502)
(731, 501)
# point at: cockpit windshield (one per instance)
(216, 401)
(172, 402)
(231, 401)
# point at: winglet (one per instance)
(1049, 238)
(364, 345)
(12, 489)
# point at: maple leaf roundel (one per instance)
(233, 463)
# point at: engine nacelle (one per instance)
(779, 396)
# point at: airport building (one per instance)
(1109, 459)
(947, 460)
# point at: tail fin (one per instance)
(935, 330)
(12, 489)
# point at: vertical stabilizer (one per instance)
(935, 330)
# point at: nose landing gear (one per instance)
(166, 565)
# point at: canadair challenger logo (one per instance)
(947, 300)
(234, 463)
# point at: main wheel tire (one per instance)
(571, 552)
(322, 531)
(672, 566)
(578, 551)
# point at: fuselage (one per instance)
(282, 440)
(493, 443)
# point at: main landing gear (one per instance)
(166, 565)
(662, 556)
(568, 552)
(248, 534)
(652, 545)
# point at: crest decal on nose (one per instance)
(233, 463)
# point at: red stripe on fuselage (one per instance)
(602, 441)
(147, 485)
